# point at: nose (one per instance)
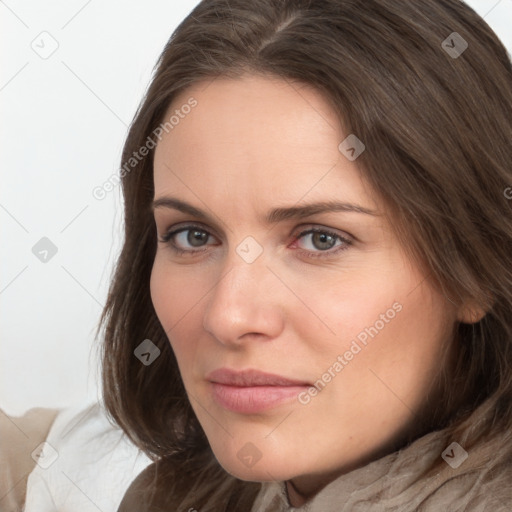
(245, 304)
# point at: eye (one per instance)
(188, 239)
(321, 240)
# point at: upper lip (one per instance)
(251, 378)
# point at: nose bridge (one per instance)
(243, 286)
(242, 301)
(238, 280)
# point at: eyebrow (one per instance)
(274, 216)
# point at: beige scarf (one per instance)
(481, 483)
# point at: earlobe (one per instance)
(470, 312)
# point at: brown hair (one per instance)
(437, 131)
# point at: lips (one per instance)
(252, 391)
(251, 378)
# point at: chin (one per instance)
(260, 471)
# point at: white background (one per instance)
(64, 120)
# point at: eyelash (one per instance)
(346, 242)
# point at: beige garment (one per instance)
(19, 437)
(482, 482)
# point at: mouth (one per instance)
(252, 391)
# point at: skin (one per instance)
(249, 146)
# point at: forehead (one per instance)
(258, 137)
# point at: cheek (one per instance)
(401, 357)
(164, 294)
(381, 318)
(348, 306)
(175, 290)
(177, 298)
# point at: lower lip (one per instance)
(254, 399)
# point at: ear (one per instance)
(470, 312)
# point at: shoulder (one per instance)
(86, 463)
(19, 437)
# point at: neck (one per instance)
(304, 487)
(295, 498)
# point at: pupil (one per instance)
(323, 241)
(197, 238)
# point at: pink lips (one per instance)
(252, 391)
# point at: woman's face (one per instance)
(282, 262)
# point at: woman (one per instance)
(312, 308)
